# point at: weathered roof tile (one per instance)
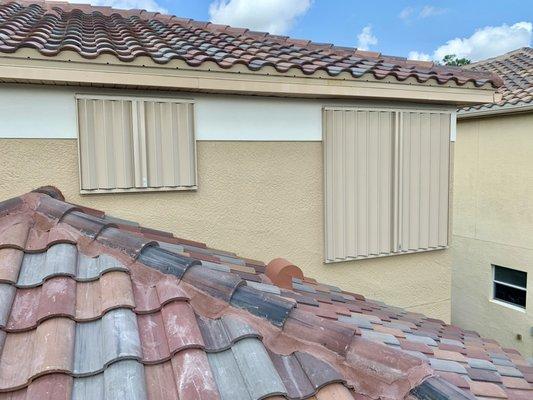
(123, 380)
(128, 34)
(98, 343)
(184, 327)
(515, 68)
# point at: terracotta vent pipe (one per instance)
(281, 272)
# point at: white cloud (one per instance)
(409, 13)
(486, 42)
(149, 5)
(274, 16)
(406, 12)
(366, 38)
(415, 55)
(430, 11)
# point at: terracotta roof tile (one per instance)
(90, 31)
(111, 313)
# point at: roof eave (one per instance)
(28, 66)
(495, 110)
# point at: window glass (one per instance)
(510, 276)
(510, 295)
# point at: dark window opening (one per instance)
(510, 286)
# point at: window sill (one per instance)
(511, 306)
(139, 190)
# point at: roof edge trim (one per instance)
(494, 110)
(83, 72)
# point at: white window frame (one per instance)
(494, 299)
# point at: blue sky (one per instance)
(413, 28)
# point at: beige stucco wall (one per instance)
(259, 199)
(493, 223)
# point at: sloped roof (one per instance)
(52, 27)
(516, 70)
(96, 307)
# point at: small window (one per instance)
(510, 286)
(133, 144)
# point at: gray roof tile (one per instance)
(2, 340)
(123, 380)
(398, 325)
(303, 287)
(90, 268)
(98, 343)
(58, 260)
(452, 342)
(228, 377)
(417, 354)
(509, 371)
(447, 366)
(259, 374)
(360, 322)
(215, 266)
(63, 259)
(481, 364)
(502, 361)
(176, 248)
(245, 372)
(420, 339)
(265, 287)
(7, 294)
(380, 337)
(220, 334)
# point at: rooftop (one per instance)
(93, 306)
(516, 70)
(91, 31)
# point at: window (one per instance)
(129, 144)
(510, 286)
(386, 182)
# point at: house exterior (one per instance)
(337, 158)
(97, 307)
(493, 225)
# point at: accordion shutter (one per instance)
(386, 182)
(170, 143)
(424, 180)
(358, 157)
(129, 144)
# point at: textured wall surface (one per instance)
(493, 224)
(260, 199)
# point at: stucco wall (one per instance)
(259, 199)
(493, 223)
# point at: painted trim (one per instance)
(507, 305)
(28, 65)
(218, 117)
(453, 126)
(89, 96)
(140, 190)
